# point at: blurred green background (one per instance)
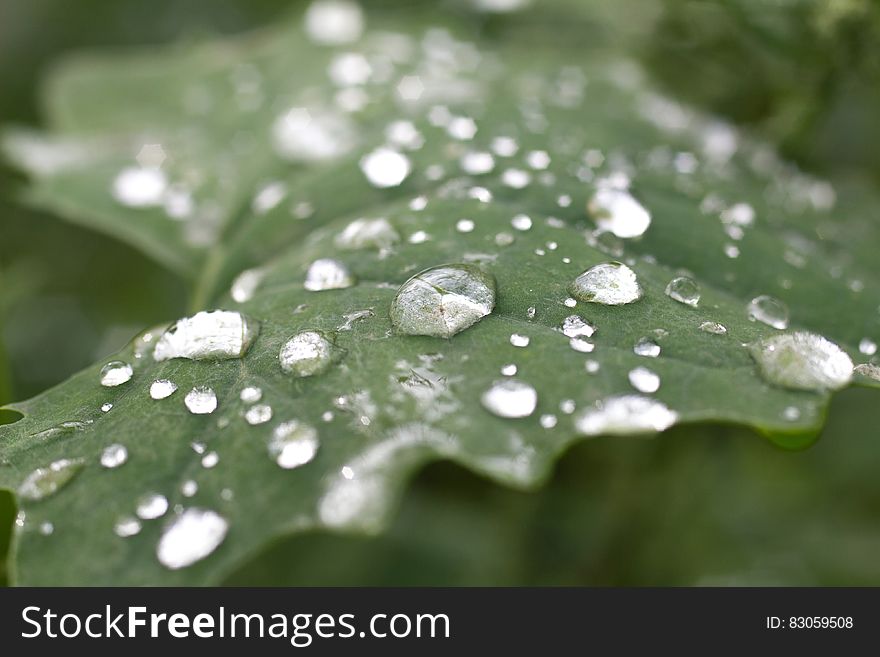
(700, 505)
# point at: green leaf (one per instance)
(388, 403)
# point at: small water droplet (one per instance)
(443, 301)
(258, 414)
(140, 187)
(625, 414)
(43, 482)
(769, 311)
(548, 421)
(307, 354)
(611, 283)
(518, 340)
(115, 373)
(190, 537)
(201, 400)
(867, 347)
(684, 290)
(293, 444)
(516, 178)
(114, 455)
(328, 274)
(616, 211)
(521, 222)
(477, 163)
(464, 226)
(644, 380)
(334, 22)
(215, 335)
(713, 327)
(385, 167)
(106, 408)
(646, 347)
(162, 389)
(510, 398)
(245, 285)
(581, 345)
(299, 135)
(127, 526)
(366, 234)
(251, 394)
(576, 326)
(151, 506)
(592, 366)
(803, 361)
(509, 370)
(791, 413)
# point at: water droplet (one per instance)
(521, 222)
(367, 233)
(510, 398)
(713, 327)
(210, 460)
(385, 167)
(106, 408)
(259, 414)
(518, 340)
(328, 274)
(43, 482)
(307, 354)
(548, 421)
(509, 370)
(646, 347)
(867, 347)
(611, 283)
(139, 187)
(625, 414)
(293, 444)
(114, 455)
(201, 400)
(684, 290)
(477, 163)
(803, 361)
(443, 301)
(616, 211)
(791, 413)
(162, 389)
(127, 526)
(575, 326)
(769, 311)
(191, 536)
(151, 506)
(299, 136)
(245, 285)
(251, 395)
(217, 335)
(115, 374)
(516, 178)
(464, 226)
(644, 380)
(334, 22)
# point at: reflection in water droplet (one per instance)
(510, 398)
(201, 400)
(127, 526)
(610, 283)
(646, 347)
(334, 22)
(803, 361)
(293, 444)
(509, 370)
(769, 311)
(616, 211)
(259, 414)
(367, 233)
(217, 335)
(306, 354)
(625, 414)
(443, 300)
(151, 506)
(116, 373)
(328, 274)
(684, 290)
(191, 536)
(43, 482)
(114, 455)
(162, 389)
(713, 327)
(139, 187)
(385, 167)
(644, 380)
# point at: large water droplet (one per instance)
(684, 290)
(769, 311)
(803, 361)
(115, 374)
(625, 414)
(644, 380)
(443, 301)
(293, 444)
(162, 389)
(611, 283)
(328, 274)
(867, 347)
(191, 536)
(334, 22)
(510, 398)
(615, 210)
(251, 394)
(201, 400)
(217, 335)
(43, 482)
(385, 167)
(245, 285)
(367, 233)
(114, 455)
(151, 506)
(306, 354)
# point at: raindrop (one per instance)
(548, 421)
(293, 444)
(259, 414)
(189, 488)
(592, 366)
(162, 389)
(367, 233)
(151, 506)
(464, 226)
(684, 290)
(791, 413)
(334, 22)
(201, 400)
(139, 187)
(43, 482)
(114, 455)
(210, 460)
(769, 311)
(510, 398)
(191, 536)
(385, 167)
(518, 340)
(611, 283)
(217, 335)
(615, 210)
(803, 361)
(115, 374)
(306, 354)
(47, 528)
(516, 178)
(521, 222)
(251, 395)
(443, 301)
(624, 415)
(646, 347)
(581, 345)
(328, 274)
(127, 526)
(106, 408)
(713, 327)
(644, 380)
(300, 137)
(575, 326)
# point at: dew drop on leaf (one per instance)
(646, 347)
(190, 537)
(328, 274)
(684, 290)
(114, 455)
(625, 414)
(610, 283)
(519, 340)
(385, 167)
(521, 222)
(477, 163)
(334, 22)
(616, 211)
(258, 414)
(713, 327)
(769, 311)
(201, 400)
(151, 506)
(867, 347)
(510, 398)
(207, 335)
(43, 482)
(644, 380)
(306, 354)
(802, 361)
(443, 301)
(162, 389)
(575, 326)
(301, 135)
(245, 285)
(116, 373)
(127, 526)
(293, 444)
